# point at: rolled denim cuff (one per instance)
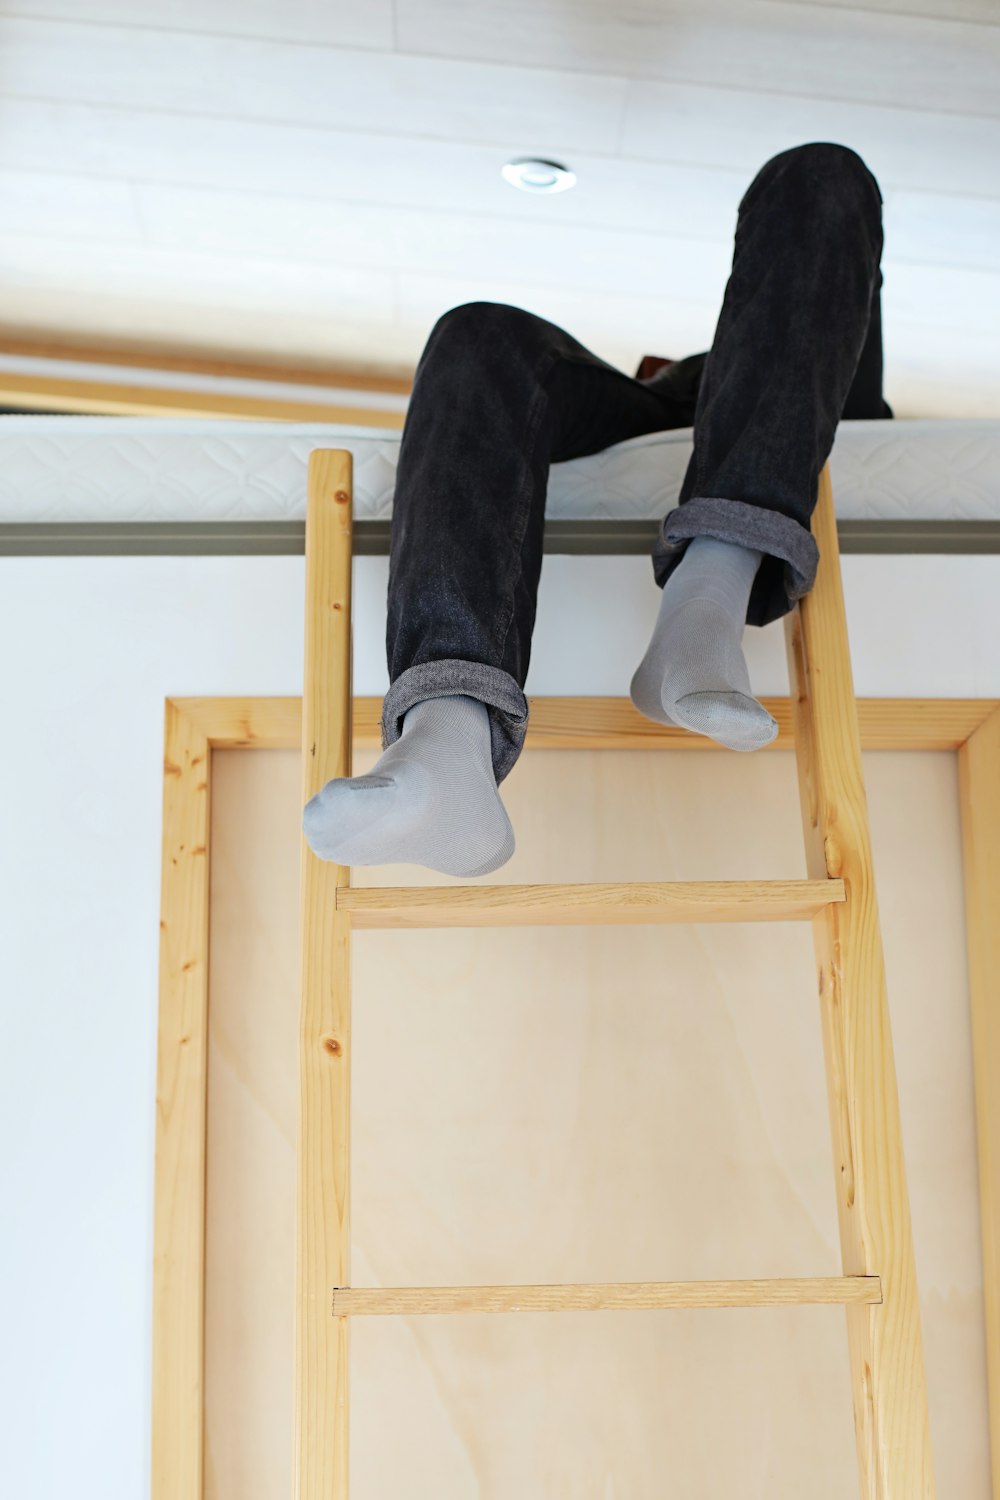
(790, 552)
(507, 705)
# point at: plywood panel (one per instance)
(187, 73)
(444, 244)
(581, 1105)
(426, 179)
(331, 21)
(66, 205)
(945, 10)
(625, 227)
(185, 278)
(706, 123)
(684, 127)
(777, 46)
(253, 1078)
(957, 232)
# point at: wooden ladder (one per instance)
(878, 1287)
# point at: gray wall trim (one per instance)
(593, 538)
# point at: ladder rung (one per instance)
(606, 1296)
(564, 905)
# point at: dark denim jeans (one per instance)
(500, 394)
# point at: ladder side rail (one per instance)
(886, 1354)
(178, 1429)
(979, 789)
(321, 1412)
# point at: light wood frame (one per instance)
(196, 727)
(52, 380)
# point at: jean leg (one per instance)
(499, 394)
(796, 323)
(865, 401)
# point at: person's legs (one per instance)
(798, 345)
(499, 395)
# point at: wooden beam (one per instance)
(181, 1082)
(120, 399)
(606, 1296)
(247, 723)
(615, 724)
(887, 1363)
(323, 1240)
(588, 905)
(151, 357)
(601, 723)
(979, 790)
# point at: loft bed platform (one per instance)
(134, 485)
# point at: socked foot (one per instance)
(430, 800)
(694, 672)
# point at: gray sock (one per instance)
(694, 673)
(430, 800)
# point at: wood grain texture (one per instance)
(198, 724)
(152, 357)
(247, 723)
(602, 723)
(729, 46)
(486, 1067)
(607, 1296)
(250, 1133)
(887, 1364)
(323, 1246)
(615, 724)
(605, 904)
(120, 399)
(979, 786)
(181, 1076)
(319, 21)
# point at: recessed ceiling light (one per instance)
(535, 174)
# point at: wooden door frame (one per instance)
(196, 727)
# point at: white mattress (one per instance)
(128, 470)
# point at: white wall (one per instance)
(90, 650)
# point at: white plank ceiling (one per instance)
(316, 180)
